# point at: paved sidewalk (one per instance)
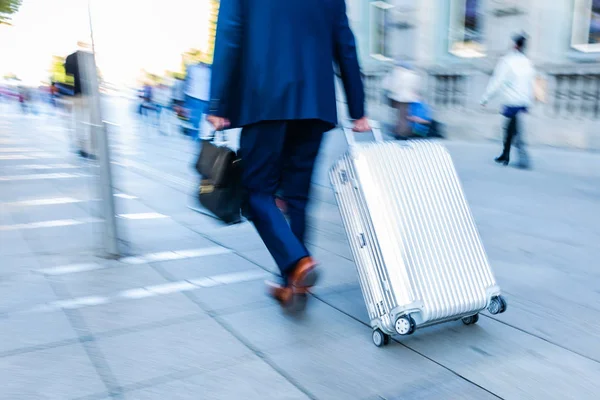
(184, 315)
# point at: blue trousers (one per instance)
(196, 108)
(279, 156)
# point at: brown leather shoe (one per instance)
(291, 300)
(305, 275)
(283, 294)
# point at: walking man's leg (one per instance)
(195, 116)
(262, 150)
(511, 129)
(524, 162)
(300, 152)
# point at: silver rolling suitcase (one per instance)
(418, 253)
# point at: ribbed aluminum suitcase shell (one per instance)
(414, 240)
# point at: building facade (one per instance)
(455, 45)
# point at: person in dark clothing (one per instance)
(77, 65)
(273, 76)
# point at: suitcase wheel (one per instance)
(471, 320)
(497, 305)
(379, 338)
(405, 325)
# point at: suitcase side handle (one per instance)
(375, 130)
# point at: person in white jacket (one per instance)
(514, 78)
(402, 85)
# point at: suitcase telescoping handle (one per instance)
(375, 131)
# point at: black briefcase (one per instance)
(220, 191)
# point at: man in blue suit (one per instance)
(273, 76)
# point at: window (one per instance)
(465, 31)
(586, 26)
(380, 26)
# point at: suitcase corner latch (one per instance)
(362, 241)
(344, 176)
(380, 308)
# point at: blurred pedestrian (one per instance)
(419, 117)
(402, 85)
(178, 91)
(53, 95)
(273, 76)
(514, 78)
(197, 91)
(24, 98)
(79, 65)
(162, 101)
(147, 95)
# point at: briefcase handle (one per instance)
(213, 138)
(375, 130)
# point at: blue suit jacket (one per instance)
(274, 60)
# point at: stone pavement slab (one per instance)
(17, 263)
(153, 353)
(53, 374)
(199, 267)
(139, 312)
(19, 291)
(107, 281)
(232, 296)
(252, 380)
(25, 331)
(492, 354)
(348, 367)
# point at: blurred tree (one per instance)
(57, 71)
(212, 30)
(153, 78)
(148, 77)
(7, 8)
(11, 77)
(175, 74)
(190, 57)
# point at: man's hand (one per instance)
(361, 125)
(219, 123)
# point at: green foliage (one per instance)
(7, 8)
(11, 77)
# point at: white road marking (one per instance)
(154, 290)
(125, 196)
(204, 282)
(175, 255)
(79, 302)
(70, 269)
(162, 256)
(49, 224)
(43, 154)
(55, 201)
(46, 166)
(207, 251)
(15, 157)
(173, 287)
(42, 176)
(134, 294)
(151, 257)
(237, 277)
(43, 224)
(17, 149)
(43, 202)
(62, 222)
(152, 215)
